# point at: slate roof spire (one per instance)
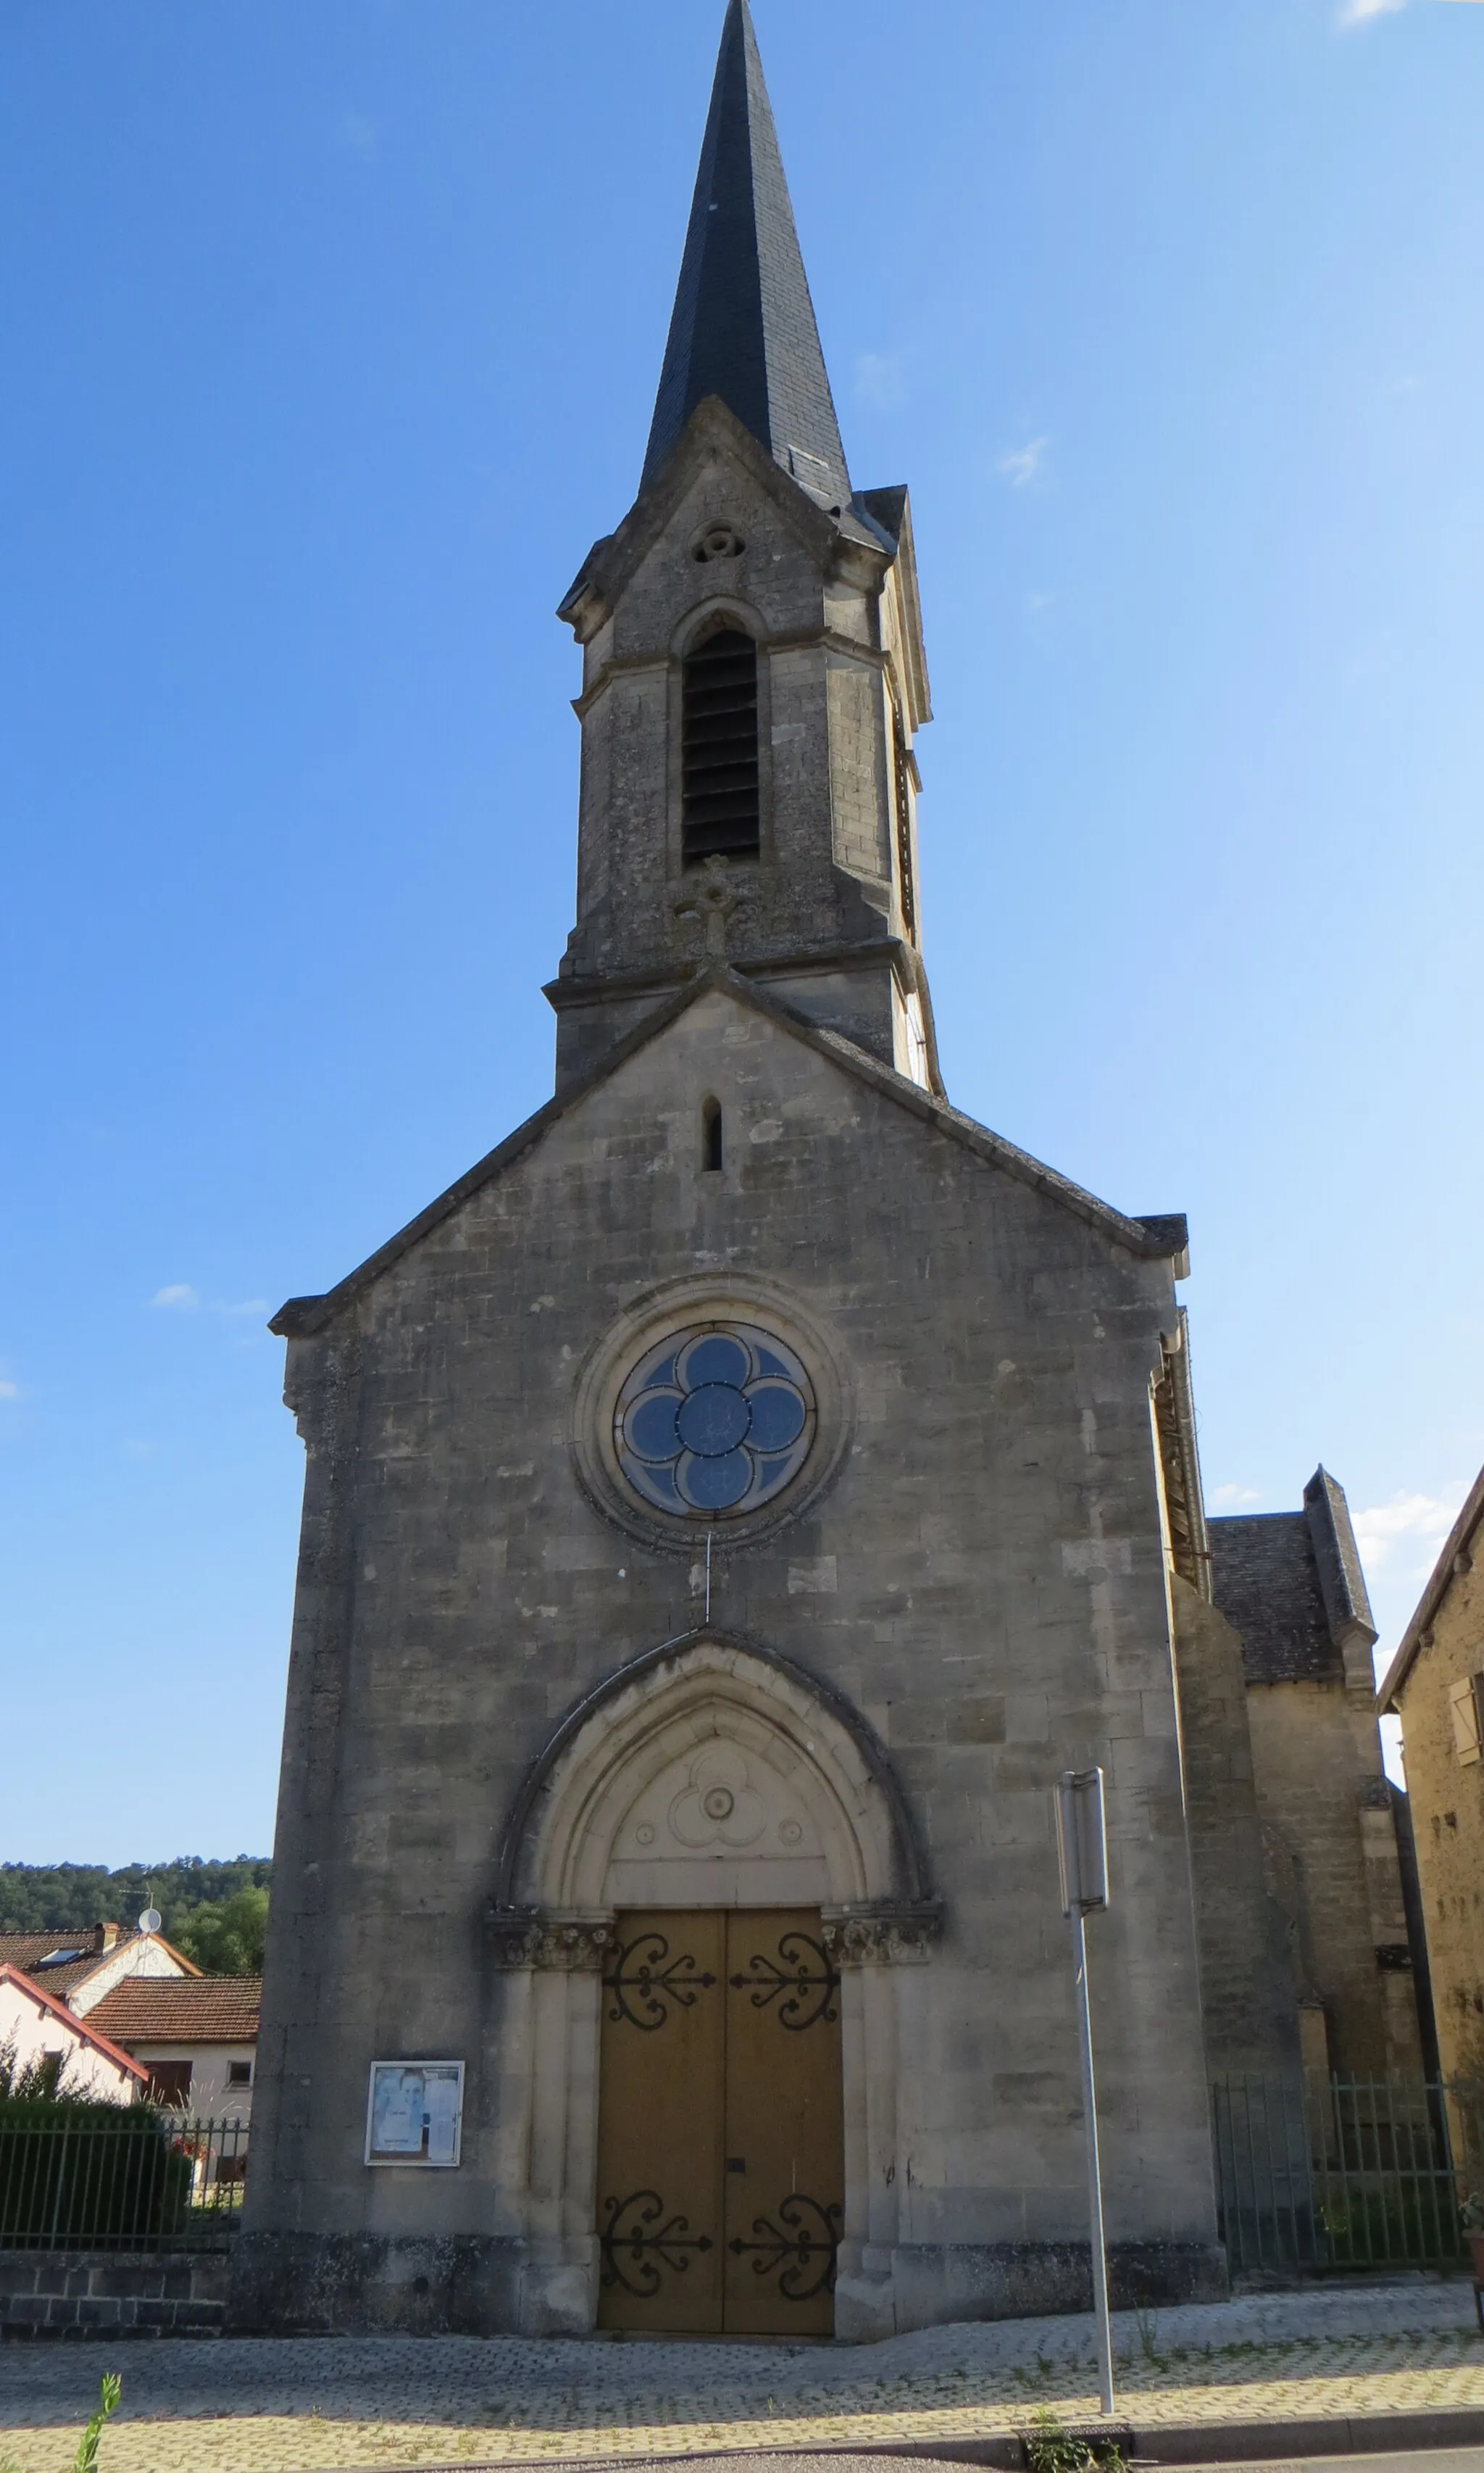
(743, 323)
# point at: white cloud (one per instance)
(1359, 12)
(1403, 1536)
(248, 1306)
(879, 379)
(182, 1296)
(10, 1390)
(1022, 464)
(1227, 1497)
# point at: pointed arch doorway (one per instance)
(715, 1794)
(721, 2151)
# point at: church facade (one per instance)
(728, 1510)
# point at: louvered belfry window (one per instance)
(719, 747)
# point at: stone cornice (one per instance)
(883, 1934)
(526, 1936)
(794, 640)
(611, 987)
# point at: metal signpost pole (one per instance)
(1082, 1850)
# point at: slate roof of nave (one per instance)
(1266, 1582)
(1160, 1238)
(1290, 1583)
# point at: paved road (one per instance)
(1405, 2460)
(325, 2405)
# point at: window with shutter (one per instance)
(1463, 1709)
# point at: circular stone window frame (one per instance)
(717, 542)
(681, 1306)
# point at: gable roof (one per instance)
(1265, 1581)
(63, 1960)
(711, 429)
(165, 2009)
(1162, 1238)
(1290, 1583)
(82, 2027)
(743, 326)
(1413, 1638)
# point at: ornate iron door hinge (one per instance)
(638, 2239)
(805, 2243)
(803, 1974)
(641, 1969)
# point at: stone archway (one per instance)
(709, 1773)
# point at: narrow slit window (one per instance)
(711, 1134)
(719, 747)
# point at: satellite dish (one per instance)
(149, 1921)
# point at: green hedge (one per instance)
(76, 2175)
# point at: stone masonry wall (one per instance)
(983, 1578)
(92, 2293)
(1332, 1856)
(1248, 1992)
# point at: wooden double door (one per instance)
(721, 2174)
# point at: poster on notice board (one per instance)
(415, 2112)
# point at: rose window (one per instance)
(714, 1421)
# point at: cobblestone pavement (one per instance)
(304, 2405)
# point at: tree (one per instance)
(226, 1938)
(70, 1897)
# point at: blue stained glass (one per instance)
(778, 1416)
(649, 1428)
(716, 1359)
(714, 1422)
(713, 1419)
(715, 1484)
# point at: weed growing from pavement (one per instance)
(109, 2390)
(1148, 2335)
(1051, 2448)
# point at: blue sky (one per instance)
(332, 340)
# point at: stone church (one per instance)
(729, 1508)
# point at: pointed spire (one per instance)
(743, 323)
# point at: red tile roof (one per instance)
(77, 1955)
(83, 2027)
(164, 2009)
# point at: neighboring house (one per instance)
(37, 2027)
(1435, 1685)
(197, 2038)
(81, 1967)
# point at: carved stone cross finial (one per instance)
(711, 899)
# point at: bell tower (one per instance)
(753, 666)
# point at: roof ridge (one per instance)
(12, 1974)
(1433, 1594)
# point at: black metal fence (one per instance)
(104, 2176)
(1329, 2174)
